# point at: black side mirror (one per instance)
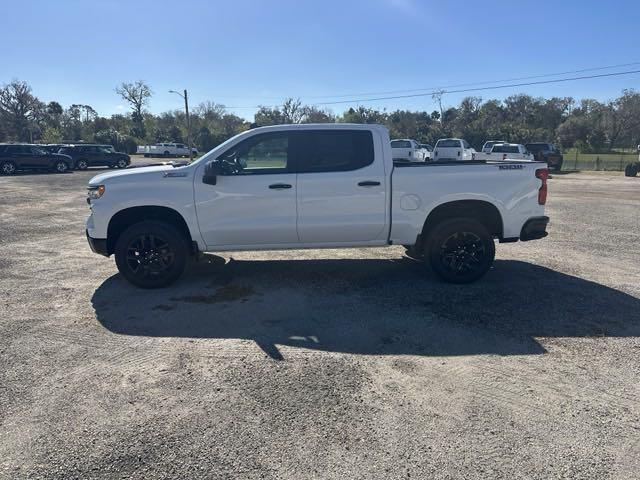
(211, 171)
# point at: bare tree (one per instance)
(137, 94)
(293, 111)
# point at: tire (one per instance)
(8, 168)
(460, 250)
(166, 153)
(146, 155)
(631, 170)
(148, 266)
(122, 163)
(82, 164)
(60, 166)
(557, 167)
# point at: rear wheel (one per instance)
(82, 164)
(460, 250)
(166, 153)
(631, 170)
(60, 166)
(151, 254)
(8, 168)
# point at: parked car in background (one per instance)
(488, 145)
(429, 150)
(453, 149)
(166, 150)
(407, 150)
(546, 152)
(504, 151)
(313, 186)
(85, 156)
(14, 157)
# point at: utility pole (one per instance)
(186, 110)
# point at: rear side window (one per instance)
(400, 144)
(448, 144)
(332, 150)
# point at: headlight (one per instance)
(95, 191)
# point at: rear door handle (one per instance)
(368, 183)
(279, 186)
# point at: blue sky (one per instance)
(250, 52)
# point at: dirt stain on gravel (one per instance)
(228, 293)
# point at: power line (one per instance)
(444, 91)
(390, 92)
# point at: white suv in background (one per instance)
(453, 149)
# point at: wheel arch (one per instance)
(132, 215)
(481, 210)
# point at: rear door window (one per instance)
(332, 150)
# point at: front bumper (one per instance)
(98, 245)
(534, 228)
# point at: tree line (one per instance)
(589, 125)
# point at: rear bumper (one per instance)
(98, 245)
(534, 228)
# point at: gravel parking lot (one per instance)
(324, 363)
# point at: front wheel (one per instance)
(460, 250)
(60, 166)
(82, 164)
(151, 254)
(122, 163)
(8, 168)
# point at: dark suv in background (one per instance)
(14, 157)
(85, 156)
(546, 152)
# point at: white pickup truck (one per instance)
(453, 149)
(504, 151)
(313, 186)
(166, 150)
(408, 150)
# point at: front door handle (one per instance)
(368, 183)
(279, 186)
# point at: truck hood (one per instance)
(127, 173)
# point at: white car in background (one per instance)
(429, 151)
(408, 150)
(166, 150)
(488, 145)
(504, 151)
(453, 149)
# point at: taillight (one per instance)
(542, 174)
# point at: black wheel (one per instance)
(122, 163)
(166, 153)
(8, 168)
(460, 250)
(557, 167)
(151, 254)
(82, 164)
(146, 155)
(631, 170)
(60, 166)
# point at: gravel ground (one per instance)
(325, 363)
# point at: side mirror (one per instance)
(211, 171)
